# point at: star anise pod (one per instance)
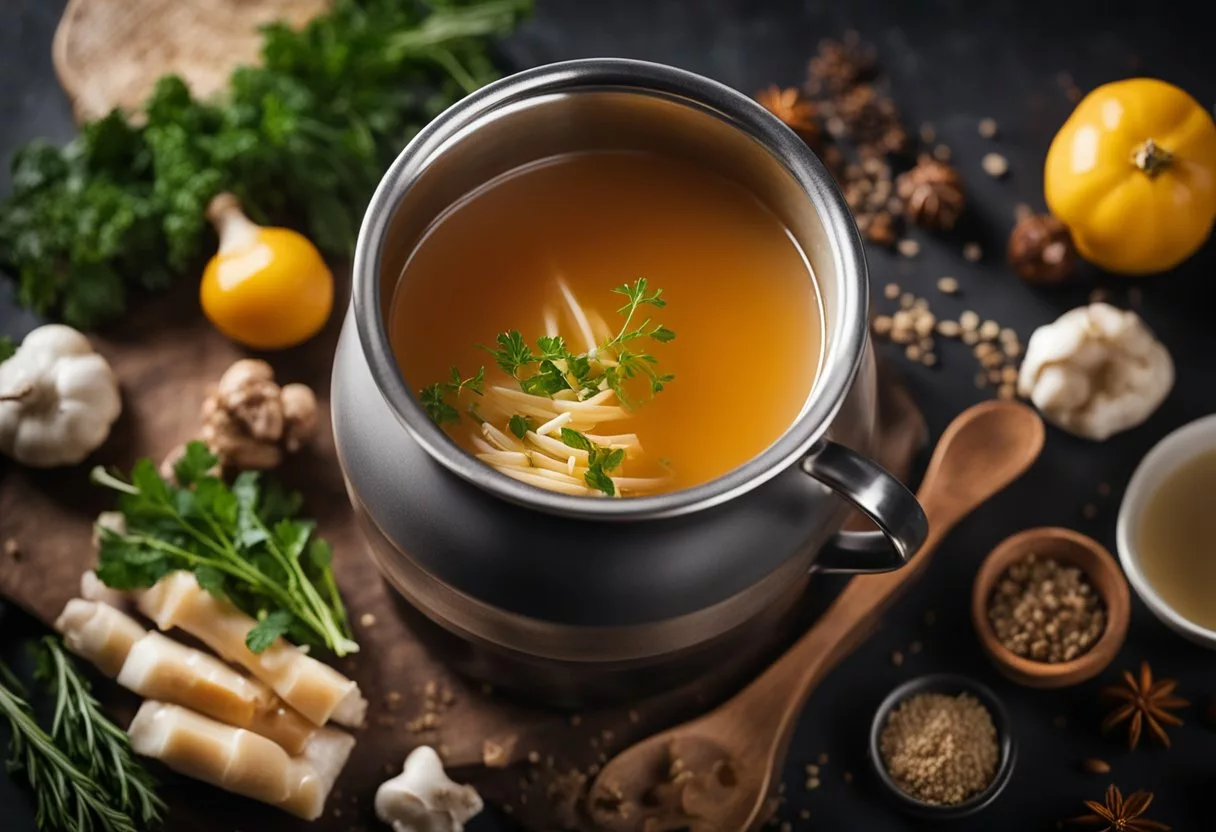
(795, 111)
(1041, 250)
(1145, 704)
(932, 192)
(840, 64)
(1122, 815)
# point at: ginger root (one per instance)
(249, 421)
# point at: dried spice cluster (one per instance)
(1046, 611)
(846, 115)
(1144, 704)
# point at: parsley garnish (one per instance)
(244, 543)
(552, 367)
(601, 461)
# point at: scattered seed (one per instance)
(983, 350)
(1007, 392)
(908, 248)
(970, 338)
(805, 814)
(927, 134)
(1104, 489)
(981, 380)
(812, 769)
(988, 128)
(947, 285)
(367, 619)
(948, 329)
(928, 359)
(941, 153)
(813, 783)
(969, 321)
(1089, 511)
(906, 300)
(926, 344)
(1092, 765)
(891, 290)
(576, 720)
(995, 165)
(823, 758)
(972, 252)
(920, 304)
(12, 549)
(534, 757)
(1007, 335)
(915, 647)
(924, 324)
(989, 330)
(848, 777)
(1013, 349)
(634, 717)
(1009, 374)
(994, 376)
(897, 658)
(882, 325)
(913, 352)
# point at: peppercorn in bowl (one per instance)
(1050, 607)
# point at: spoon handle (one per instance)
(953, 487)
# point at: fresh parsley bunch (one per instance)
(302, 138)
(243, 542)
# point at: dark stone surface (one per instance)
(952, 62)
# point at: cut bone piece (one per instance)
(423, 799)
(314, 689)
(240, 761)
(157, 667)
(99, 633)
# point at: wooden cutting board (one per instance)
(109, 53)
(166, 356)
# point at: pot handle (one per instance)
(876, 494)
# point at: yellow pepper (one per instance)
(1132, 173)
(268, 288)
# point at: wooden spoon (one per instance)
(715, 773)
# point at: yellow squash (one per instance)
(268, 288)
(1132, 173)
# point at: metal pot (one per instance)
(657, 588)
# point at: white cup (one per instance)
(1166, 457)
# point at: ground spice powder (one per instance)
(940, 749)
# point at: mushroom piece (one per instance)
(1096, 371)
(423, 799)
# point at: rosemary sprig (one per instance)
(66, 798)
(93, 742)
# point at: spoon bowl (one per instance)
(717, 773)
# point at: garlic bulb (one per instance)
(423, 799)
(1096, 371)
(58, 399)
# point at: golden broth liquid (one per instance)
(740, 297)
(1177, 540)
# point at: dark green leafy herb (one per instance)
(67, 798)
(244, 543)
(302, 138)
(520, 425)
(94, 743)
(601, 461)
(552, 367)
(434, 398)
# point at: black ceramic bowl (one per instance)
(952, 684)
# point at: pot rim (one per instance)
(847, 319)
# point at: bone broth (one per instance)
(610, 324)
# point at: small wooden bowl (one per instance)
(1099, 566)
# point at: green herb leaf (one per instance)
(600, 481)
(268, 630)
(303, 134)
(519, 425)
(576, 440)
(245, 543)
(662, 334)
